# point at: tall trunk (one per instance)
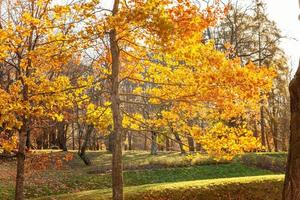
(28, 139)
(291, 189)
(52, 138)
(255, 134)
(73, 137)
(275, 135)
(19, 193)
(117, 166)
(125, 146)
(129, 140)
(80, 131)
(191, 143)
(62, 135)
(285, 134)
(167, 144)
(153, 143)
(262, 127)
(84, 145)
(178, 139)
(198, 147)
(145, 141)
(110, 142)
(268, 143)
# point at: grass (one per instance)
(72, 181)
(250, 188)
(140, 169)
(134, 160)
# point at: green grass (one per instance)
(6, 191)
(246, 188)
(133, 160)
(140, 169)
(71, 181)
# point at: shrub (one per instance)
(268, 161)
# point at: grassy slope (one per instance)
(71, 181)
(78, 177)
(257, 187)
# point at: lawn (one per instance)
(140, 169)
(245, 188)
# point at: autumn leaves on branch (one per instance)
(156, 46)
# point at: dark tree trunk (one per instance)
(198, 147)
(291, 189)
(129, 141)
(52, 138)
(145, 141)
(262, 126)
(275, 135)
(191, 144)
(153, 143)
(178, 139)
(28, 139)
(167, 144)
(20, 178)
(19, 192)
(73, 137)
(62, 129)
(84, 145)
(110, 142)
(255, 134)
(117, 165)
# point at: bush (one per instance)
(274, 162)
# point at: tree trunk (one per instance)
(198, 147)
(268, 143)
(19, 193)
(153, 143)
(255, 134)
(28, 139)
(129, 141)
(275, 135)
(191, 144)
(110, 142)
(262, 126)
(62, 129)
(167, 144)
(145, 141)
(84, 145)
(73, 137)
(177, 137)
(117, 166)
(291, 189)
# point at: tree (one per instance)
(235, 32)
(291, 189)
(37, 40)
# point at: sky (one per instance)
(285, 13)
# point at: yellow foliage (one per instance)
(224, 142)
